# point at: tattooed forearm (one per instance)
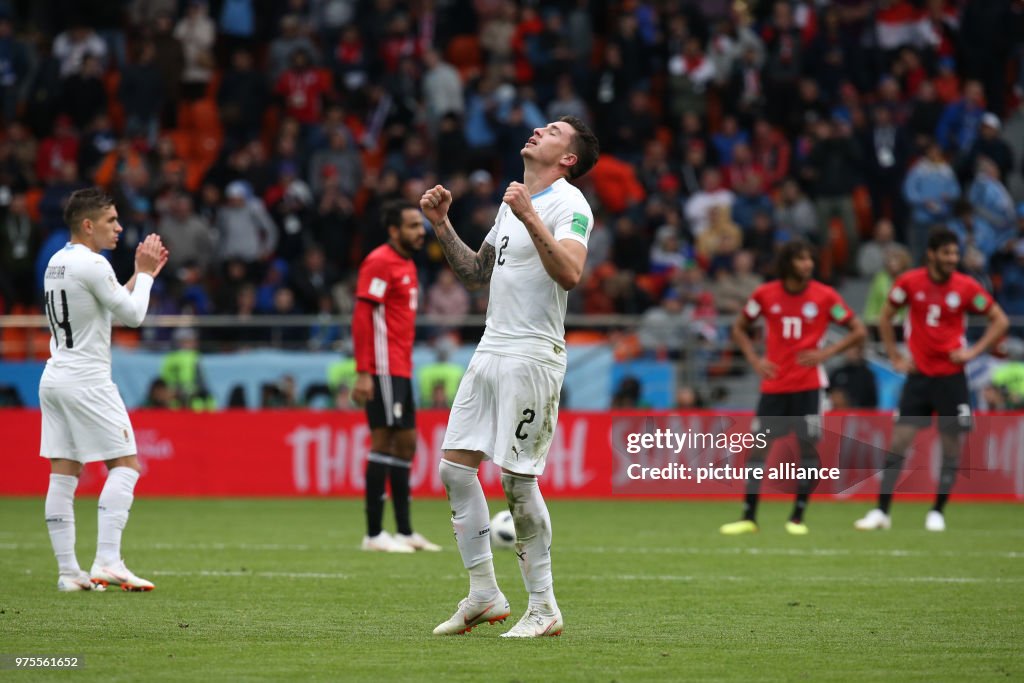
(472, 268)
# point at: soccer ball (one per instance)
(503, 530)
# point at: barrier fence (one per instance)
(322, 453)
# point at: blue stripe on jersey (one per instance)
(543, 192)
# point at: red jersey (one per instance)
(384, 322)
(302, 91)
(795, 323)
(935, 326)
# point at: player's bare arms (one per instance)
(473, 268)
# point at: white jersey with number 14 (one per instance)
(81, 294)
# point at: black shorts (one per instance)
(945, 396)
(392, 405)
(797, 411)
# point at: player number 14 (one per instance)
(792, 327)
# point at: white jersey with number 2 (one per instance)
(526, 308)
(81, 295)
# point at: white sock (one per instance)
(533, 536)
(60, 521)
(472, 523)
(115, 502)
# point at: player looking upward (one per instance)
(383, 330)
(506, 407)
(939, 298)
(797, 311)
(83, 416)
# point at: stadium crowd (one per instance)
(261, 138)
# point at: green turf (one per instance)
(276, 590)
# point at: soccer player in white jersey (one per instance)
(506, 407)
(84, 418)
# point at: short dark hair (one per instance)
(940, 236)
(584, 145)
(789, 251)
(392, 213)
(85, 203)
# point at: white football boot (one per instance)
(539, 621)
(385, 543)
(935, 521)
(875, 519)
(416, 541)
(119, 575)
(70, 583)
(471, 614)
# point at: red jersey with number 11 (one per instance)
(384, 322)
(795, 323)
(935, 326)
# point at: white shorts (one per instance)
(506, 408)
(84, 423)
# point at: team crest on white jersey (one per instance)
(953, 300)
(809, 310)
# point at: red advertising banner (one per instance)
(321, 453)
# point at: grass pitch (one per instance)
(277, 590)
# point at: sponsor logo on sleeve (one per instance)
(580, 222)
(898, 295)
(980, 301)
(838, 312)
(378, 287)
(752, 309)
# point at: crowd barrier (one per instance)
(322, 453)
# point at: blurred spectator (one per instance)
(871, 258)
(312, 280)
(141, 93)
(994, 214)
(197, 34)
(74, 45)
(291, 38)
(15, 63)
(442, 88)
(772, 153)
(627, 394)
(887, 152)
(852, 384)
(20, 238)
(732, 287)
(924, 116)
(188, 236)
(713, 193)
(958, 127)
(896, 261)
(447, 296)
(930, 189)
(722, 238)
(1011, 289)
(242, 98)
(794, 213)
(667, 251)
(689, 74)
(340, 160)
(302, 89)
(56, 151)
(616, 184)
(749, 185)
(687, 398)
(990, 145)
(170, 60)
(664, 329)
(833, 169)
(247, 233)
(158, 396)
